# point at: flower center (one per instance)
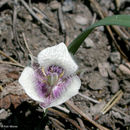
(53, 74)
(49, 79)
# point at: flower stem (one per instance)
(45, 113)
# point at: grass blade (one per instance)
(121, 20)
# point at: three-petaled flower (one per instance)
(51, 80)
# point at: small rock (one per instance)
(27, 113)
(127, 97)
(114, 87)
(126, 86)
(97, 108)
(89, 43)
(101, 28)
(88, 113)
(111, 74)
(115, 57)
(47, 127)
(3, 114)
(96, 82)
(103, 69)
(68, 6)
(81, 20)
(117, 115)
(127, 64)
(54, 5)
(124, 70)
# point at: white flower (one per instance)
(52, 80)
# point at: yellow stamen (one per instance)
(1, 88)
(61, 75)
(43, 71)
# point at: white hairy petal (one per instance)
(58, 55)
(27, 80)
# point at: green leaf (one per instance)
(121, 20)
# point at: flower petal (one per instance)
(71, 91)
(27, 80)
(57, 55)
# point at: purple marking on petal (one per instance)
(60, 88)
(54, 68)
(41, 88)
(50, 93)
(56, 93)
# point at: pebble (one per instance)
(101, 28)
(115, 57)
(89, 43)
(124, 70)
(54, 5)
(27, 113)
(103, 69)
(81, 20)
(126, 86)
(68, 6)
(97, 108)
(127, 64)
(3, 114)
(96, 82)
(114, 87)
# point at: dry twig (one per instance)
(61, 20)
(88, 98)
(15, 34)
(65, 116)
(85, 116)
(26, 44)
(118, 3)
(57, 124)
(63, 109)
(81, 124)
(94, 18)
(112, 102)
(11, 59)
(35, 16)
(10, 63)
(40, 12)
(30, 3)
